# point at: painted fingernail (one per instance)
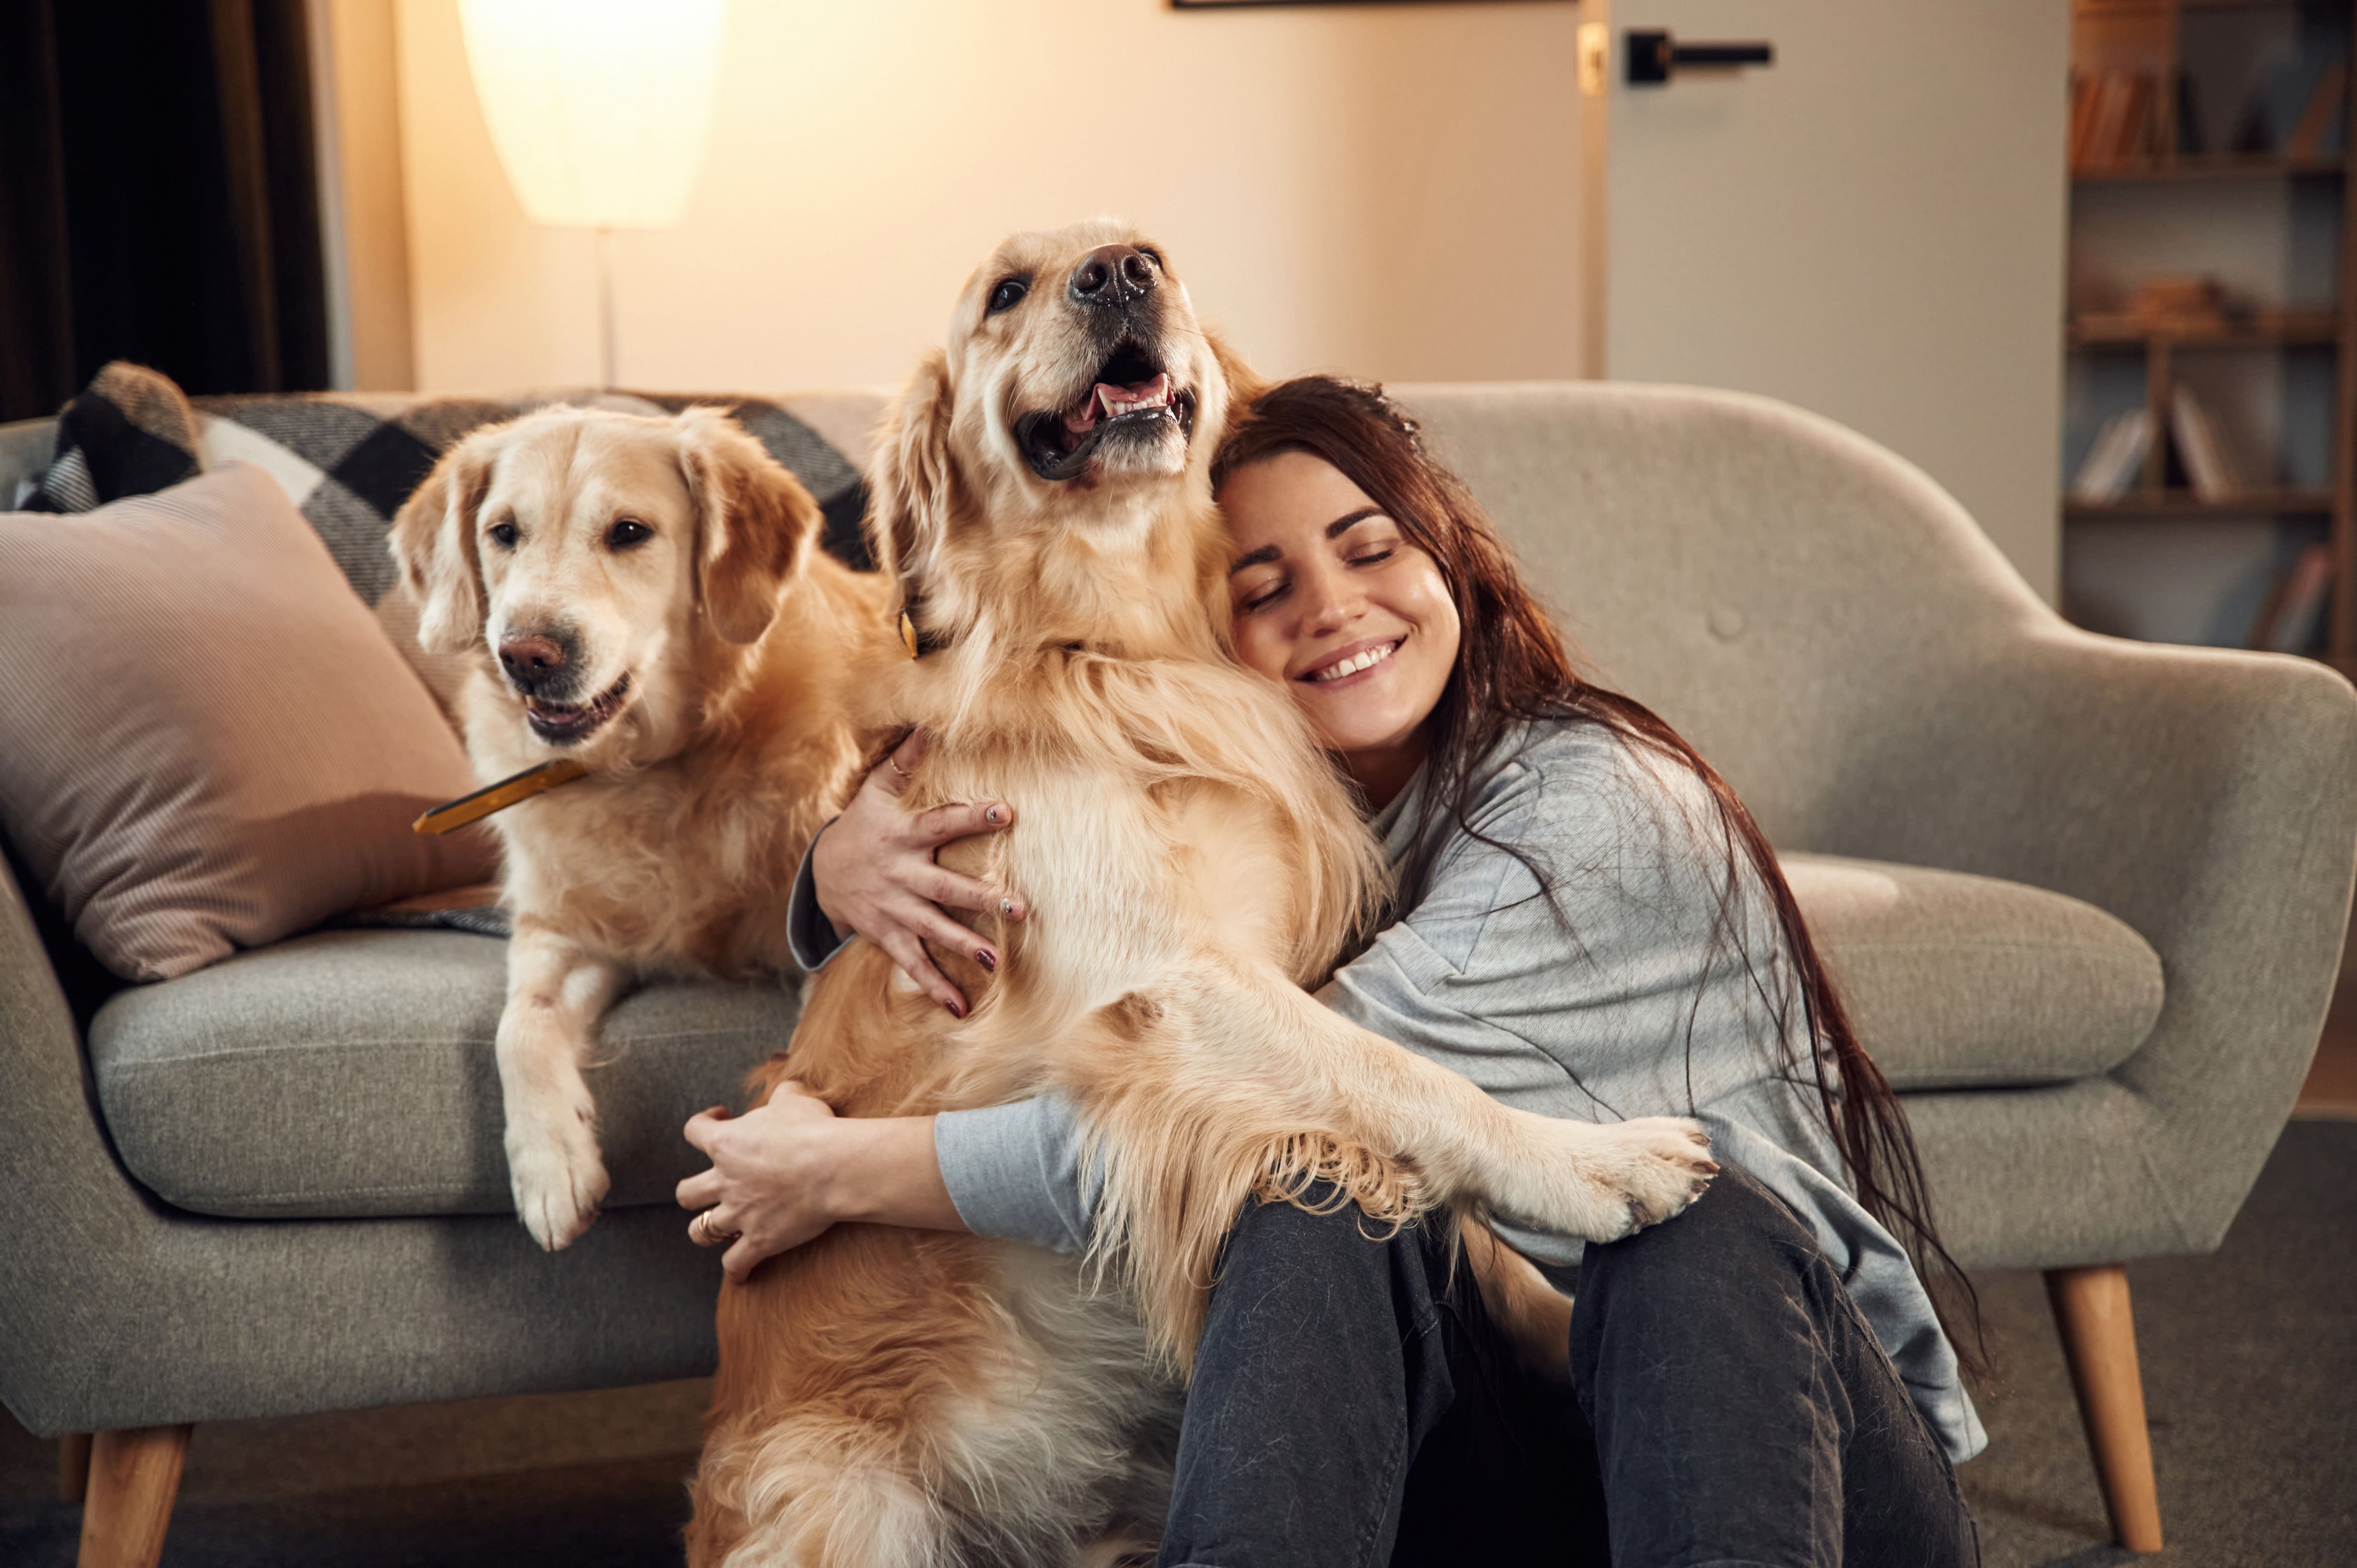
(996, 814)
(982, 956)
(954, 1010)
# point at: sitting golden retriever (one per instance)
(645, 595)
(1191, 862)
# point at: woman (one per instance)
(1587, 924)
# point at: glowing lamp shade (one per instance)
(600, 109)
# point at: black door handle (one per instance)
(1653, 56)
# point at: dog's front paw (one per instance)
(1616, 1178)
(1659, 1165)
(557, 1179)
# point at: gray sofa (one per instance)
(2087, 897)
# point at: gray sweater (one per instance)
(1626, 1008)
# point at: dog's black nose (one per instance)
(532, 660)
(1115, 274)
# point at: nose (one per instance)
(1114, 275)
(532, 659)
(1330, 601)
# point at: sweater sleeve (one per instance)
(809, 932)
(1013, 1171)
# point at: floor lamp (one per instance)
(600, 110)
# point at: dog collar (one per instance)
(498, 797)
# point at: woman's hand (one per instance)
(874, 874)
(787, 1169)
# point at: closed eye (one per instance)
(1263, 597)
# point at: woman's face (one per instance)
(1332, 599)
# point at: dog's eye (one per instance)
(1007, 294)
(503, 534)
(626, 533)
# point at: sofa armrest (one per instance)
(119, 1310)
(2207, 797)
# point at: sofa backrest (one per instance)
(1785, 592)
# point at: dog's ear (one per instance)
(911, 479)
(753, 519)
(432, 538)
(1245, 384)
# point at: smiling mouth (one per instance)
(1131, 398)
(1343, 668)
(568, 724)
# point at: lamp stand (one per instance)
(606, 308)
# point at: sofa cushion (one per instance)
(1957, 982)
(351, 1073)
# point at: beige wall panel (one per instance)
(1390, 190)
(360, 123)
(1873, 228)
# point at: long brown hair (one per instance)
(1512, 669)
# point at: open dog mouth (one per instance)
(1131, 397)
(563, 724)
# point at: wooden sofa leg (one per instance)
(73, 1466)
(134, 1476)
(2090, 1309)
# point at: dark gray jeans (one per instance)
(1729, 1407)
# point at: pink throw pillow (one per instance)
(207, 742)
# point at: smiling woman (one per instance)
(1298, 584)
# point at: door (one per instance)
(1871, 227)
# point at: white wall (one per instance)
(1386, 190)
(1872, 228)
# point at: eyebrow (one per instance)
(1334, 530)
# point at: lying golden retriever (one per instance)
(1192, 862)
(645, 595)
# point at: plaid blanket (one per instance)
(350, 462)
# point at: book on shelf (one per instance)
(2190, 142)
(2114, 117)
(2298, 110)
(2202, 447)
(2326, 104)
(2113, 458)
(2288, 616)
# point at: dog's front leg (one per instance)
(556, 993)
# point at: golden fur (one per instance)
(1192, 862)
(676, 855)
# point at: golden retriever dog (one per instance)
(1192, 862)
(645, 595)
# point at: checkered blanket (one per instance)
(348, 462)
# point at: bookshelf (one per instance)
(2211, 147)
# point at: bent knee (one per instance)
(1735, 1233)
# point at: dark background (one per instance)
(159, 197)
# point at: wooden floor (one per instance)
(2331, 1090)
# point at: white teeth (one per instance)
(1115, 406)
(1357, 661)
